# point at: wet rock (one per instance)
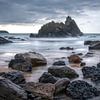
(88, 72)
(45, 91)
(11, 91)
(81, 90)
(61, 85)
(3, 40)
(61, 96)
(66, 48)
(15, 77)
(74, 59)
(89, 42)
(63, 72)
(20, 64)
(59, 63)
(47, 78)
(25, 61)
(35, 58)
(82, 64)
(89, 54)
(95, 46)
(98, 65)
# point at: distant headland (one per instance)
(53, 29)
(4, 32)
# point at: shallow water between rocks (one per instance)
(49, 48)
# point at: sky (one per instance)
(27, 16)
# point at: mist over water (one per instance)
(49, 48)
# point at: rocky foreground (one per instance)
(59, 82)
(53, 29)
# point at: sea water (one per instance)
(49, 48)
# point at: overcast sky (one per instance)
(28, 15)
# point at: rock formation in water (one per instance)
(3, 40)
(53, 29)
(4, 32)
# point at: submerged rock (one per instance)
(66, 48)
(15, 77)
(25, 61)
(81, 90)
(63, 72)
(3, 40)
(52, 29)
(45, 91)
(11, 91)
(47, 78)
(59, 63)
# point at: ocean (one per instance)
(49, 48)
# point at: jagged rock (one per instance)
(15, 77)
(81, 90)
(52, 29)
(25, 61)
(11, 91)
(59, 63)
(42, 90)
(63, 72)
(3, 40)
(98, 65)
(74, 59)
(61, 85)
(47, 78)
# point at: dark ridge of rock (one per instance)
(89, 42)
(3, 40)
(4, 32)
(53, 29)
(63, 72)
(15, 77)
(11, 91)
(93, 45)
(47, 78)
(81, 90)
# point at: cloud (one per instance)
(40, 11)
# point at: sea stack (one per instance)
(54, 29)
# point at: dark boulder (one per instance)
(20, 64)
(15, 77)
(98, 65)
(47, 78)
(81, 90)
(63, 72)
(59, 63)
(3, 40)
(88, 72)
(25, 61)
(61, 85)
(11, 91)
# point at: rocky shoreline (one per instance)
(59, 82)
